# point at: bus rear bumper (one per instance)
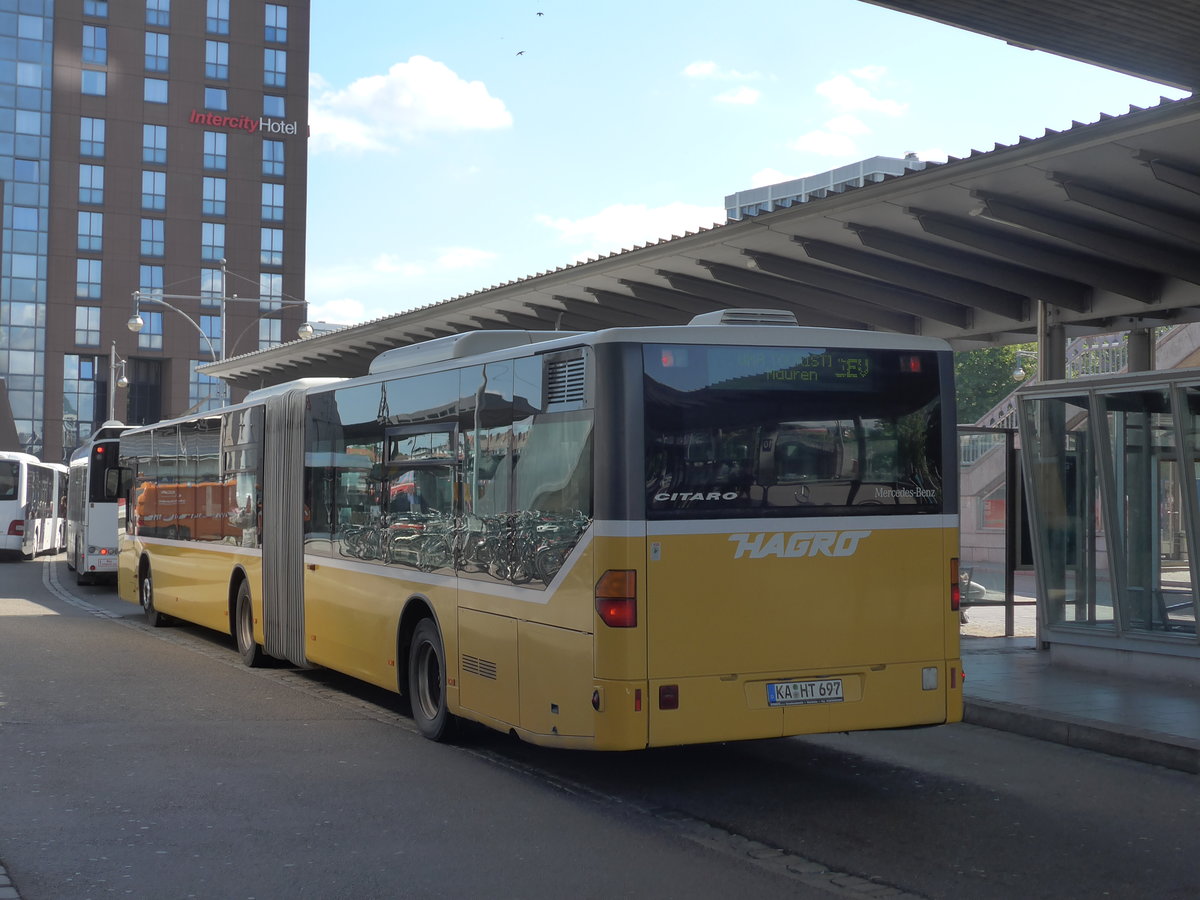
(740, 707)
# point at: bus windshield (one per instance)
(783, 431)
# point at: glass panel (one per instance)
(1074, 568)
(751, 431)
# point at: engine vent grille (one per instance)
(484, 668)
(566, 381)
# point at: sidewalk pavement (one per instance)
(1010, 685)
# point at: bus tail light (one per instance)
(616, 598)
(668, 696)
(955, 586)
(16, 528)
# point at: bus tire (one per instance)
(427, 683)
(146, 596)
(243, 629)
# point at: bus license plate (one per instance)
(791, 693)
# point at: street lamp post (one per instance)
(136, 322)
(115, 363)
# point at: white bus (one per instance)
(91, 532)
(31, 505)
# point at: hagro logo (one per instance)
(797, 543)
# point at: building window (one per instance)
(79, 399)
(27, 170)
(276, 31)
(157, 51)
(204, 391)
(272, 202)
(215, 143)
(93, 82)
(154, 143)
(87, 278)
(270, 333)
(273, 158)
(271, 247)
(275, 68)
(150, 279)
(96, 8)
(273, 107)
(217, 21)
(211, 287)
(213, 203)
(154, 242)
(270, 290)
(211, 326)
(91, 231)
(212, 240)
(154, 190)
(91, 137)
(151, 335)
(216, 98)
(87, 326)
(95, 44)
(25, 218)
(91, 184)
(216, 60)
(155, 90)
(158, 12)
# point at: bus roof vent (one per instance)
(566, 381)
(746, 317)
(458, 346)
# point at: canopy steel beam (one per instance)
(625, 304)
(1107, 244)
(1128, 281)
(919, 278)
(1019, 280)
(812, 299)
(1172, 173)
(727, 297)
(867, 289)
(1133, 209)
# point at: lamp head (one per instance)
(135, 323)
(305, 331)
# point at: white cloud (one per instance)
(417, 97)
(844, 93)
(358, 291)
(836, 138)
(622, 226)
(869, 73)
(704, 69)
(742, 96)
(709, 69)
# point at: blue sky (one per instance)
(444, 160)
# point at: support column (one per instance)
(1052, 345)
(1141, 350)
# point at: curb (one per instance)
(1153, 747)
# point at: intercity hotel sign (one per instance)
(244, 123)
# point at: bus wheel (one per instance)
(146, 594)
(427, 683)
(243, 629)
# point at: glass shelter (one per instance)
(1112, 469)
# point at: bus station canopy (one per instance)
(1098, 222)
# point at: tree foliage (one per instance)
(983, 378)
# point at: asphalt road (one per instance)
(149, 763)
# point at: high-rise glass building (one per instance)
(150, 146)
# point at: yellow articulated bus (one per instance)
(640, 537)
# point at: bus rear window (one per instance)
(751, 431)
(10, 479)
